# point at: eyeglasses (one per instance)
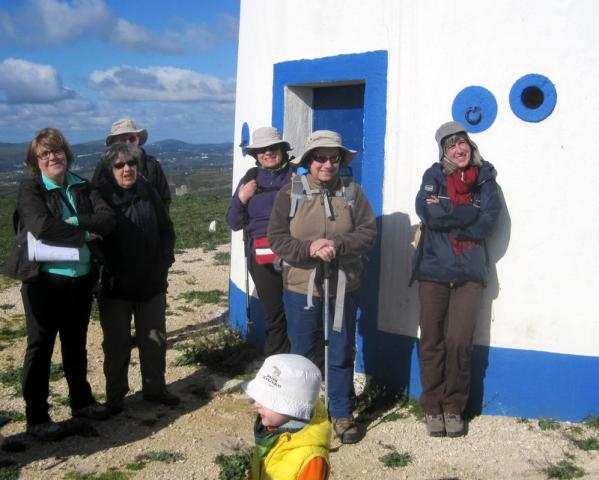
(121, 165)
(45, 155)
(334, 159)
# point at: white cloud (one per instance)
(25, 82)
(57, 22)
(161, 84)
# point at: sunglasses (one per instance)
(272, 148)
(334, 159)
(121, 165)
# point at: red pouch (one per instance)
(264, 254)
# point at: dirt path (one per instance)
(193, 433)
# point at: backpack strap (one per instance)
(299, 189)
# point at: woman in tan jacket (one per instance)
(321, 217)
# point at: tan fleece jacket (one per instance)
(353, 230)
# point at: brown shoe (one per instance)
(346, 429)
(454, 425)
(435, 426)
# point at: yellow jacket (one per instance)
(292, 451)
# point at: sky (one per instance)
(79, 65)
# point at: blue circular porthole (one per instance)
(475, 107)
(533, 97)
(245, 137)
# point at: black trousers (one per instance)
(269, 284)
(55, 304)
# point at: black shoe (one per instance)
(165, 398)
(47, 431)
(94, 411)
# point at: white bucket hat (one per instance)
(265, 137)
(287, 384)
(324, 139)
(124, 126)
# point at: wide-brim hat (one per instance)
(325, 139)
(287, 384)
(124, 126)
(265, 137)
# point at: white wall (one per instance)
(547, 269)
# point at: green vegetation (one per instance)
(394, 459)
(522, 420)
(394, 416)
(587, 443)
(564, 470)
(235, 466)
(592, 422)
(108, 475)
(548, 424)
(154, 456)
(191, 215)
(11, 377)
(224, 351)
(9, 472)
(222, 258)
(7, 306)
(12, 416)
(202, 298)
(56, 372)
(9, 331)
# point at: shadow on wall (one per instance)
(390, 349)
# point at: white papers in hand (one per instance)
(39, 251)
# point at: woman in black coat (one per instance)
(57, 207)
(138, 254)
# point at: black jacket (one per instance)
(140, 250)
(39, 211)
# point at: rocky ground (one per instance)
(182, 442)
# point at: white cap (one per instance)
(287, 384)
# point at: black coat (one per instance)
(140, 250)
(39, 211)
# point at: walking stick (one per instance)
(246, 240)
(326, 276)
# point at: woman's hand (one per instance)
(247, 191)
(433, 199)
(326, 254)
(94, 236)
(320, 243)
(324, 249)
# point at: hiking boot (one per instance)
(94, 411)
(454, 425)
(435, 426)
(47, 431)
(165, 398)
(346, 429)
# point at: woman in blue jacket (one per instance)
(250, 209)
(458, 205)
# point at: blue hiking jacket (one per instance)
(434, 259)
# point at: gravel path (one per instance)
(204, 426)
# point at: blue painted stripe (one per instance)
(505, 381)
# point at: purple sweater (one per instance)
(253, 217)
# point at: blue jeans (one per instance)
(305, 329)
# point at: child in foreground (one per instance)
(292, 430)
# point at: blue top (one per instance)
(253, 217)
(68, 269)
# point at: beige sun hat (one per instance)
(325, 139)
(265, 137)
(124, 126)
(288, 384)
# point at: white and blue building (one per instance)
(386, 73)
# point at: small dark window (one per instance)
(533, 97)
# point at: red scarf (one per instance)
(459, 188)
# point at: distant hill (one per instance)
(174, 155)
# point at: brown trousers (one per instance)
(448, 314)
